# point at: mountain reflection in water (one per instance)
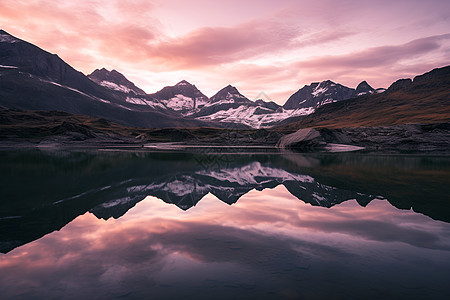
(42, 192)
(268, 244)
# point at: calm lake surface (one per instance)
(212, 225)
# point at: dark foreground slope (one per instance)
(34, 79)
(53, 128)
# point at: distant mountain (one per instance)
(109, 94)
(423, 100)
(34, 79)
(363, 89)
(229, 106)
(132, 96)
(318, 94)
(181, 97)
(229, 94)
(44, 66)
(268, 104)
(114, 80)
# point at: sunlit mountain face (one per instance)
(251, 224)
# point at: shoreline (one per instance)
(214, 149)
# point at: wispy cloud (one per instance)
(258, 45)
(377, 56)
(217, 45)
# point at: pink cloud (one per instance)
(217, 45)
(376, 56)
(380, 66)
(266, 46)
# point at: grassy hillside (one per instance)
(423, 101)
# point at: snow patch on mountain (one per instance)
(201, 102)
(114, 86)
(246, 115)
(179, 102)
(326, 101)
(319, 90)
(142, 101)
(69, 88)
(116, 202)
(180, 188)
(226, 180)
(8, 67)
(255, 173)
(115, 81)
(6, 38)
(225, 101)
(104, 101)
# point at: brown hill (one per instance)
(424, 100)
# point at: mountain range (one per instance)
(34, 79)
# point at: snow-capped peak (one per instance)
(183, 97)
(114, 80)
(317, 94)
(183, 83)
(229, 94)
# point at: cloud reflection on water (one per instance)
(263, 246)
(269, 244)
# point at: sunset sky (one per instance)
(265, 45)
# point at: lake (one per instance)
(209, 224)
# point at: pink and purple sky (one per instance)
(265, 45)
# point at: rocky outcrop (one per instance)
(408, 137)
(397, 138)
(400, 84)
(363, 89)
(306, 137)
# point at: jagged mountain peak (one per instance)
(229, 89)
(46, 66)
(364, 88)
(327, 82)
(268, 104)
(105, 73)
(363, 83)
(229, 94)
(321, 83)
(317, 94)
(400, 84)
(182, 97)
(232, 89)
(114, 80)
(438, 75)
(184, 83)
